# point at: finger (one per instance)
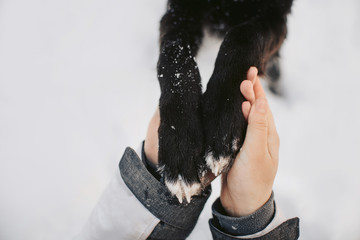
(252, 74)
(272, 126)
(256, 79)
(273, 138)
(259, 90)
(257, 131)
(247, 90)
(246, 106)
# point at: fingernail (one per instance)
(260, 106)
(256, 71)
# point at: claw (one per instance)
(175, 188)
(191, 190)
(216, 165)
(182, 190)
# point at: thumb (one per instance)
(257, 130)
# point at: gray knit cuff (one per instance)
(154, 195)
(241, 226)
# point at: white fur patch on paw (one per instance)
(191, 190)
(235, 144)
(175, 188)
(182, 190)
(216, 165)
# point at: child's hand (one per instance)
(248, 184)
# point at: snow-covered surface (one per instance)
(78, 85)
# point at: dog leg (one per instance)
(181, 151)
(249, 44)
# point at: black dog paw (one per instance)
(224, 127)
(181, 152)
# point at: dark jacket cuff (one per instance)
(288, 230)
(175, 218)
(240, 226)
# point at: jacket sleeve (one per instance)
(266, 223)
(137, 206)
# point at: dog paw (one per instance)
(183, 190)
(225, 128)
(221, 163)
(181, 150)
(217, 165)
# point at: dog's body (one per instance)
(207, 130)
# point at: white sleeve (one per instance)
(118, 215)
(135, 202)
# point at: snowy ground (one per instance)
(78, 85)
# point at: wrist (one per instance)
(239, 206)
(150, 151)
(151, 141)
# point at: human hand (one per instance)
(151, 146)
(248, 184)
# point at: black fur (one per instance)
(194, 125)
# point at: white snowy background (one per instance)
(78, 84)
